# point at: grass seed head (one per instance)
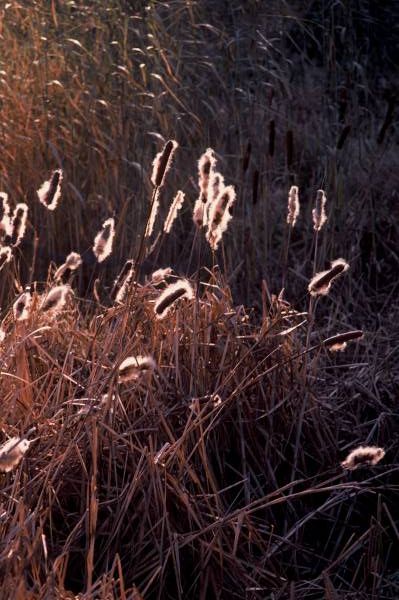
(21, 307)
(173, 211)
(12, 452)
(19, 221)
(320, 284)
(363, 456)
(340, 341)
(56, 299)
(170, 295)
(5, 256)
(319, 212)
(293, 205)
(50, 192)
(134, 367)
(162, 163)
(220, 216)
(104, 240)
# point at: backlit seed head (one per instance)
(363, 456)
(134, 367)
(12, 452)
(104, 239)
(50, 192)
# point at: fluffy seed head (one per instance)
(56, 299)
(319, 211)
(5, 256)
(134, 367)
(4, 205)
(50, 192)
(206, 165)
(340, 341)
(160, 274)
(12, 452)
(18, 225)
(21, 307)
(174, 209)
(162, 163)
(72, 262)
(153, 215)
(104, 239)
(320, 284)
(170, 295)
(219, 216)
(293, 205)
(363, 455)
(123, 290)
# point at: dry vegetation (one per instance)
(191, 433)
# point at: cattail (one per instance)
(206, 165)
(340, 341)
(123, 290)
(216, 185)
(4, 205)
(293, 205)
(321, 283)
(219, 216)
(174, 209)
(134, 367)
(21, 307)
(103, 241)
(160, 275)
(170, 295)
(5, 256)
(363, 455)
(162, 163)
(206, 168)
(12, 452)
(319, 211)
(56, 299)
(153, 215)
(72, 262)
(50, 192)
(19, 219)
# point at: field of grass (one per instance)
(195, 450)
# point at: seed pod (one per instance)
(340, 341)
(5, 256)
(173, 211)
(72, 262)
(56, 299)
(21, 307)
(220, 216)
(363, 456)
(320, 284)
(170, 295)
(103, 241)
(50, 192)
(12, 452)
(134, 367)
(18, 225)
(162, 163)
(293, 205)
(319, 211)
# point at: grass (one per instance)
(218, 474)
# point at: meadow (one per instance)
(198, 335)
